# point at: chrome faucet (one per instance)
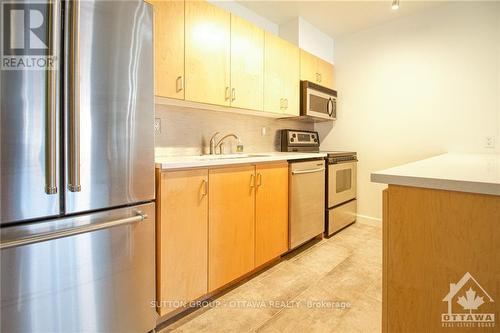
(218, 146)
(212, 143)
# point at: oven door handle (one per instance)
(300, 172)
(344, 162)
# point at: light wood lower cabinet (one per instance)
(437, 244)
(216, 225)
(271, 212)
(231, 224)
(182, 236)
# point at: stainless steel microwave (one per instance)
(317, 102)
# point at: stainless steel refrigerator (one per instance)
(77, 174)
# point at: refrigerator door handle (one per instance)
(51, 105)
(140, 216)
(74, 100)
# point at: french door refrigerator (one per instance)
(77, 174)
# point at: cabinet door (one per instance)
(271, 212)
(325, 70)
(207, 53)
(231, 224)
(182, 235)
(273, 82)
(290, 78)
(247, 65)
(308, 67)
(169, 48)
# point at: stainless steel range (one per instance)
(340, 183)
(341, 204)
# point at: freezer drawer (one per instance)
(94, 281)
(307, 201)
(341, 216)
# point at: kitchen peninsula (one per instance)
(441, 243)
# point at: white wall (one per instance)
(241, 11)
(306, 36)
(416, 87)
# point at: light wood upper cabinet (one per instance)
(308, 67)
(325, 70)
(247, 64)
(207, 54)
(281, 75)
(182, 236)
(273, 86)
(271, 211)
(291, 85)
(315, 70)
(231, 224)
(169, 48)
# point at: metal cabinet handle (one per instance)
(51, 106)
(140, 216)
(204, 185)
(74, 100)
(252, 180)
(228, 94)
(259, 179)
(233, 94)
(299, 172)
(179, 83)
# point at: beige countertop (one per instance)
(201, 161)
(474, 173)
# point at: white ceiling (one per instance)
(336, 18)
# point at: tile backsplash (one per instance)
(188, 131)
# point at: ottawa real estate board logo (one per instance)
(25, 36)
(466, 301)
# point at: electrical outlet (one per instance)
(489, 142)
(157, 125)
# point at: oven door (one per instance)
(341, 183)
(320, 104)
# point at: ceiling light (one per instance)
(395, 5)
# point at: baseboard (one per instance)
(369, 220)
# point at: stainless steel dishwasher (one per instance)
(307, 201)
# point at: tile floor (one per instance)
(332, 285)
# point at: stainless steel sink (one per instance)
(230, 156)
